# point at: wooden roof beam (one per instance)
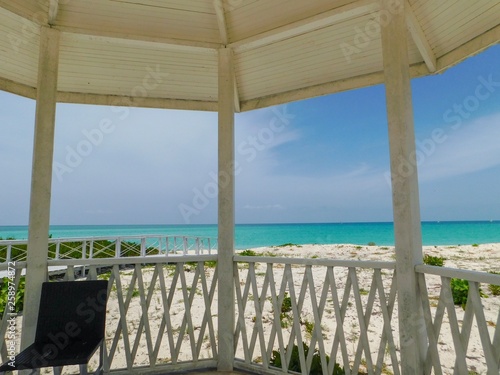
(420, 39)
(221, 21)
(53, 8)
(354, 9)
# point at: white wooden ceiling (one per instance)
(284, 50)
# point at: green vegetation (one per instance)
(294, 364)
(74, 250)
(475, 245)
(434, 260)
(460, 291)
(372, 244)
(288, 244)
(494, 289)
(247, 253)
(210, 263)
(286, 305)
(5, 293)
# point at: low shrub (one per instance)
(434, 261)
(294, 364)
(494, 289)
(286, 305)
(460, 291)
(248, 253)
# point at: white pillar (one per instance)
(405, 197)
(41, 179)
(225, 247)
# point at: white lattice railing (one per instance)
(159, 314)
(340, 309)
(106, 247)
(461, 339)
(162, 314)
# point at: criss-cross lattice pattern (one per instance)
(332, 307)
(117, 247)
(159, 314)
(462, 326)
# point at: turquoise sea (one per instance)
(256, 235)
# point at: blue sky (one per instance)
(320, 160)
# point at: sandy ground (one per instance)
(191, 337)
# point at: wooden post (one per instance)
(225, 247)
(405, 197)
(41, 179)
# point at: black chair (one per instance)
(70, 327)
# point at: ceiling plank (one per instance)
(128, 101)
(177, 44)
(17, 88)
(472, 47)
(420, 39)
(354, 9)
(365, 80)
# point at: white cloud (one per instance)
(468, 149)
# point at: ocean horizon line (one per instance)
(281, 223)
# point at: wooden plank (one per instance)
(276, 329)
(113, 18)
(39, 213)
(36, 11)
(420, 39)
(475, 276)
(317, 314)
(405, 196)
(317, 262)
(221, 21)
(250, 17)
(460, 351)
(488, 349)
(363, 343)
(208, 296)
(144, 320)
(241, 300)
(432, 356)
(226, 204)
(122, 324)
(306, 25)
(387, 307)
(17, 88)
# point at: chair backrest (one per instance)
(72, 310)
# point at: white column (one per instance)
(225, 247)
(405, 197)
(41, 179)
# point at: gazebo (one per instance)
(239, 55)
